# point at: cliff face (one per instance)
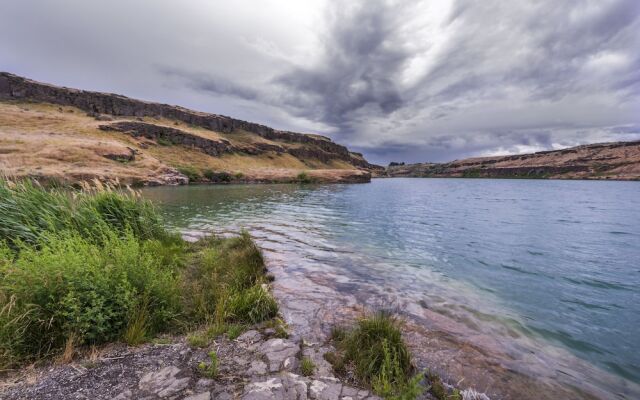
(148, 124)
(619, 160)
(19, 88)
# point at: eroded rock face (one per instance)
(163, 383)
(171, 135)
(14, 87)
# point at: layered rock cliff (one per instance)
(618, 160)
(240, 148)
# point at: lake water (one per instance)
(541, 278)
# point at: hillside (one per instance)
(62, 134)
(618, 160)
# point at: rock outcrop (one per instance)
(618, 160)
(13, 87)
(171, 135)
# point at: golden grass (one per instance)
(47, 140)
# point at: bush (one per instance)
(307, 367)
(303, 177)
(252, 305)
(73, 287)
(94, 266)
(374, 349)
(210, 370)
(223, 282)
(213, 176)
(190, 172)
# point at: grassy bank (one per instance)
(80, 268)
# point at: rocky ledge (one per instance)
(255, 366)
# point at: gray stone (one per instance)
(322, 366)
(126, 395)
(290, 364)
(257, 368)
(204, 383)
(320, 390)
(199, 396)
(278, 350)
(164, 382)
(350, 391)
(223, 396)
(270, 388)
(250, 336)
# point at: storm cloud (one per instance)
(398, 80)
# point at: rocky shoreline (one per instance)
(255, 366)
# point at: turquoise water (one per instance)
(555, 262)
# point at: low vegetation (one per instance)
(375, 353)
(304, 177)
(85, 267)
(209, 370)
(307, 367)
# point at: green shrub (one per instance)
(198, 340)
(235, 330)
(93, 266)
(303, 177)
(307, 367)
(211, 370)
(164, 142)
(223, 282)
(252, 305)
(71, 286)
(374, 349)
(190, 172)
(213, 176)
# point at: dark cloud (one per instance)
(207, 83)
(358, 66)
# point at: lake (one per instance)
(540, 277)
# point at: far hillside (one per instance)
(616, 160)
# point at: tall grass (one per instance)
(225, 279)
(96, 265)
(376, 354)
(29, 211)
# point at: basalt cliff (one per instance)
(616, 161)
(63, 134)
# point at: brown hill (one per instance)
(58, 133)
(618, 160)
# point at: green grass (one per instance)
(29, 212)
(376, 354)
(209, 370)
(198, 340)
(303, 177)
(98, 266)
(307, 367)
(190, 172)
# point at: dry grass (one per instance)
(63, 143)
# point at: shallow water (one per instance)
(544, 275)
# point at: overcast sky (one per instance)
(398, 80)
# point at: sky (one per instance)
(398, 80)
